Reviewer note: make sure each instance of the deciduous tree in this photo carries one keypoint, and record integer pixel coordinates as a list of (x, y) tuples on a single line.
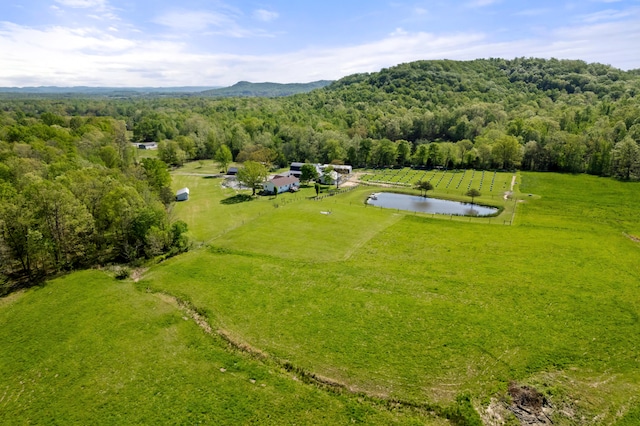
[(424, 186), (626, 159), (252, 174), (308, 172), (223, 157), (473, 193)]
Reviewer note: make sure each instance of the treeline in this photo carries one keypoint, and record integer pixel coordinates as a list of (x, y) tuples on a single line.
[(72, 195), (535, 114)]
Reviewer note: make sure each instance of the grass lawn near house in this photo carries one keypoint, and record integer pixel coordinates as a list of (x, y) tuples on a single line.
[(139, 154), (205, 167)]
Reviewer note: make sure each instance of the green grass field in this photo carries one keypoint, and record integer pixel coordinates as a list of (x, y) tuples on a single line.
[(87, 349), (394, 306), (452, 182)]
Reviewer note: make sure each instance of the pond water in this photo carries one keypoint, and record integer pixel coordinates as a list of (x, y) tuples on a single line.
[(415, 203)]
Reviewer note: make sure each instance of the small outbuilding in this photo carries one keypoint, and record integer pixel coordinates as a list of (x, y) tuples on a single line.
[(330, 178), (182, 194), (148, 145)]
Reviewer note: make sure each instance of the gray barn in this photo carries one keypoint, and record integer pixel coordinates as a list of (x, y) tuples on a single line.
[(182, 194)]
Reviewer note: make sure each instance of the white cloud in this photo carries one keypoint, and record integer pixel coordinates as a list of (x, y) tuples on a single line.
[(481, 3), (606, 15), (265, 15), (83, 4), (209, 23), (91, 56), (102, 10), (531, 12), (398, 32), (194, 21)]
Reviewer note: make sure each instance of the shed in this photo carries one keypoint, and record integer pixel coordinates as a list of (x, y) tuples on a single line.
[(182, 194), (296, 167)]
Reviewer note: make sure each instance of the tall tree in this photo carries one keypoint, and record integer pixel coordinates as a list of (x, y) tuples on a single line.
[(17, 226), (626, 159), (364, 151), (507, 152), (424, 186), (224, 157), (64, 221), (385, 153), (473, 193), (157, 173), (309, 172), (252, 174), (404, 152)]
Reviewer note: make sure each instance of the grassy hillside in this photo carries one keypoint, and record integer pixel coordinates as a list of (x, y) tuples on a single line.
[(87, 349), (426, 310), (417, 308)]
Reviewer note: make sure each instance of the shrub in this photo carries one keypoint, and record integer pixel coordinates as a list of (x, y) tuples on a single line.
[(122, 273)]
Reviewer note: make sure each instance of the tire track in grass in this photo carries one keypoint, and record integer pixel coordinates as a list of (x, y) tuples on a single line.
[(392, 220), (380, 400)]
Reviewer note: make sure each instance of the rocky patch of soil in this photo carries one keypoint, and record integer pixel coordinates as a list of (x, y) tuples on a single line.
[(529, 405)]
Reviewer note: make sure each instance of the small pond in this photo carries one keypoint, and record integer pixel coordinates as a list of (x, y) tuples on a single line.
[(416, 203)]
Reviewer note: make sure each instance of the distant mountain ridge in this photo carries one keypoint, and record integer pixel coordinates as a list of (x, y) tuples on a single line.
[(241, 89), (87, 90), (265, 90)]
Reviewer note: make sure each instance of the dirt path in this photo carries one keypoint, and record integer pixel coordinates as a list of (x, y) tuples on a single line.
[(510, 191)]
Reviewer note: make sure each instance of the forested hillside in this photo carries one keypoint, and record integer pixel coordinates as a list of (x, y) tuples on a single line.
[(245, 89), (547, 115), (72, 193)]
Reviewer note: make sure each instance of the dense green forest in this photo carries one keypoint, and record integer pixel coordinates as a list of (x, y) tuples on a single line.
[(73, 194)]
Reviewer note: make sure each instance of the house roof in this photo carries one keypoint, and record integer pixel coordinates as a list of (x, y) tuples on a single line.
[(284, 180)]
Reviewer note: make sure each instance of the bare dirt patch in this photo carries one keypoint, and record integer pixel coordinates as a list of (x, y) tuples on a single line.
[(509, 193), (529, 406), (7, 300), (138, 273), (633, 238)]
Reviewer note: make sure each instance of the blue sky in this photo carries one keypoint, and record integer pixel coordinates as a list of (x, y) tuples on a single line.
[(217, 43)]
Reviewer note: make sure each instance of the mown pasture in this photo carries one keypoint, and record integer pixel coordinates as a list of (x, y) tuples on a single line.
[(395, 305), (418, 308)]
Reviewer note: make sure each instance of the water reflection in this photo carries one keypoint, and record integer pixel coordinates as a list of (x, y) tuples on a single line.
[(417, 203)]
